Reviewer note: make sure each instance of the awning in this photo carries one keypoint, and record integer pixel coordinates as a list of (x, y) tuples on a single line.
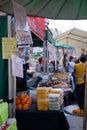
[(54, 9), (49, 37), (38, 54), (62, 45)]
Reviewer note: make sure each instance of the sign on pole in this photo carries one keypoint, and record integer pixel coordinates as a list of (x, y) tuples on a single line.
[(23, 33), (9, 46), (20, 15), (17, 66)]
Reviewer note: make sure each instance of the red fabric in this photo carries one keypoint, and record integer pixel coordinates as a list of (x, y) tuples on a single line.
[(37, 26), (5, 128)]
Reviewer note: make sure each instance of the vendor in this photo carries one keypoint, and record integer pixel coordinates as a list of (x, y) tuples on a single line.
[(21, 82), (51, 66), (39, 66)]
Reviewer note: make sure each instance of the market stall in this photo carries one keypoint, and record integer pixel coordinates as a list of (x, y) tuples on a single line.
[(58, 15), (46, 106), (41, 120), (41, 110)]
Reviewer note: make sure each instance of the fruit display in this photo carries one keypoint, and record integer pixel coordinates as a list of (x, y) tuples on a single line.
[(23, 101), (78, 111)]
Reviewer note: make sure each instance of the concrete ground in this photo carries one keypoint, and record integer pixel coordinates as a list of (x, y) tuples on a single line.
[(75, 122)]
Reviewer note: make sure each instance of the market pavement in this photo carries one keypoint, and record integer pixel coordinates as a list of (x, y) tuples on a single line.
[(75, 122)]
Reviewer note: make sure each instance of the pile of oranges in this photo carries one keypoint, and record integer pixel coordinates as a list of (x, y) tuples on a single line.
[(78, 111), (23, 101)]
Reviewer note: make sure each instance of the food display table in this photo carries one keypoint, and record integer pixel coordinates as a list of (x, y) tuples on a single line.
[(41, 120)]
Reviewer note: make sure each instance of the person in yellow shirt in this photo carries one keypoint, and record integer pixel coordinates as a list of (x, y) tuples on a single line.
[(80, 69)]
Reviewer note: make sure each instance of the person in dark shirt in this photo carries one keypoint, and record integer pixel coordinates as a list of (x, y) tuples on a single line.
[(65, 62), (21, 82)]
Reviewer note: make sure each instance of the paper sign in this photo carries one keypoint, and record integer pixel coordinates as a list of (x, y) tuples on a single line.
[(24, 37), (23, 33), (20, 15), (9, 46), (52, 51), (17, 66), (23, 51)]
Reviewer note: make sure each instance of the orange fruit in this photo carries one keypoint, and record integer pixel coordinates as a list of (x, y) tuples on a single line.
[(24, 101), (19, 106), (29, 101), (27, 97), (17, 100), (22, 96), (25, 106)]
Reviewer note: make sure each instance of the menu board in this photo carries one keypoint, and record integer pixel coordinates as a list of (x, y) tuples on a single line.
[(9, 46)]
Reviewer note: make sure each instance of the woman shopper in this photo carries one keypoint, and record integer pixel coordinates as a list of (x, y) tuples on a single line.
[(80, 70)]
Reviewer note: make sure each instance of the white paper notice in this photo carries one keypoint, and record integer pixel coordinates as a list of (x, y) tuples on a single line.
[(17, 66), (20, 15)]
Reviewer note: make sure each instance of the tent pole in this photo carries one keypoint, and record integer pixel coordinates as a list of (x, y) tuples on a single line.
[(85, 100), (63, 50), (10, 78), (14, 78), (45, 54)]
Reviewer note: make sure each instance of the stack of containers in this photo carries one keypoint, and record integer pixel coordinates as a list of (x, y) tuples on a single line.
[(42, 98), (54, 101), (59, 92)]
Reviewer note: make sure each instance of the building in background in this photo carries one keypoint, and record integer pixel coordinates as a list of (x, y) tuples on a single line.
[(76, 38)]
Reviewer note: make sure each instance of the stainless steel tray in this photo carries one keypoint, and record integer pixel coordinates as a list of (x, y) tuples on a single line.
[(69, 110)]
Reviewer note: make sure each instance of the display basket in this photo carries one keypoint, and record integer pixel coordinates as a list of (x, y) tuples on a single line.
[(3, 112)]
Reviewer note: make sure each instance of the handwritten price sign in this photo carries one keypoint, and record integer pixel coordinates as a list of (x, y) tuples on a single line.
[(9, 46)]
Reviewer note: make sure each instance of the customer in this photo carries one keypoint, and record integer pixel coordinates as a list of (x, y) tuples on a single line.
[(71, 64), (80, 69), (72, 78), (65, 62)]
